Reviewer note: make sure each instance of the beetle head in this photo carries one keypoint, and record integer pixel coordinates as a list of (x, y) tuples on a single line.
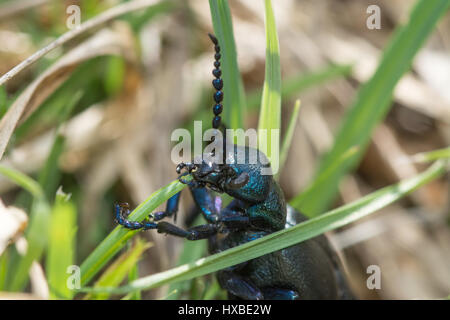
[(217, 176)]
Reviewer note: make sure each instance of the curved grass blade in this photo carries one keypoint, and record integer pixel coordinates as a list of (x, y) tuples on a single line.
[(38, 226), (37, 242), (432, 155), (42, 192), (109, 247), (119, 269), (331, 220), (133, 275), (192, 250), (299, 200), (234, 99), (23, 181), (373, 102), (289, 134), (50, 175), (270, 113), (93, 23)]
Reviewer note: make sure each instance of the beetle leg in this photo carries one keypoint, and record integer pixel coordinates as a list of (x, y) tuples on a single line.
[(239, 286), (134, 225), (234, 219), (123, 210), (234, 216), (280, 294), (195, 233), (171, 208), (208, 204)]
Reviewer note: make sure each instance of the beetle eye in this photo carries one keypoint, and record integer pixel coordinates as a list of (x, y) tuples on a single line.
[(194, 169)]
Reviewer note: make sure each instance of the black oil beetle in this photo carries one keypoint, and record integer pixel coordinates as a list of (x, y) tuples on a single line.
[(308, 270)]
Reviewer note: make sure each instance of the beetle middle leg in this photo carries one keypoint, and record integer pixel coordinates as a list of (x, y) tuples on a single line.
[(208, 204), (200, 232)]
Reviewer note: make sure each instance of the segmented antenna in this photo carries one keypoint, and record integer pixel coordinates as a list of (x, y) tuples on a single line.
[(218, 84)]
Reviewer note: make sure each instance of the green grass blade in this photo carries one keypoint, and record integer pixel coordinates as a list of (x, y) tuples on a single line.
[(41, 191), (296, 84), (133, 275), (50, 175), (4, 262), (289, 134), (109, 247), (374, 100), (331, 220), (23, 181), (87, 79), (432, 155), (213, 290), (299, 200), (192, 250), (234, 97), (61, 246), (119, 269), (115, 74), (270, 113), (38, 226)]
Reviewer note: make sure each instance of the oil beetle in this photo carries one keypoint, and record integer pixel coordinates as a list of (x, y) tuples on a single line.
[(308, 270)]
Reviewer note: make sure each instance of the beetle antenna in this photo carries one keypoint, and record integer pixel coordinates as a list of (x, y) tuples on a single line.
[(218, 95), (217, 84)]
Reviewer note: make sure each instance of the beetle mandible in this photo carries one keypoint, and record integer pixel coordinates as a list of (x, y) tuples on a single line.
[(308, 270)]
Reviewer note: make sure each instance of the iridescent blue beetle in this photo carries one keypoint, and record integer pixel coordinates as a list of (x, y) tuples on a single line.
[(309, 270)]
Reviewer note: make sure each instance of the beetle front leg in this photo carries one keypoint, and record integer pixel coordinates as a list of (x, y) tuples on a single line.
[(171, 208), (133, 225), (123, 210), (209, 205)]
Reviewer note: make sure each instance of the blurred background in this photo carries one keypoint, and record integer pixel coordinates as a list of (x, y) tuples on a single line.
[(99, 124)]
